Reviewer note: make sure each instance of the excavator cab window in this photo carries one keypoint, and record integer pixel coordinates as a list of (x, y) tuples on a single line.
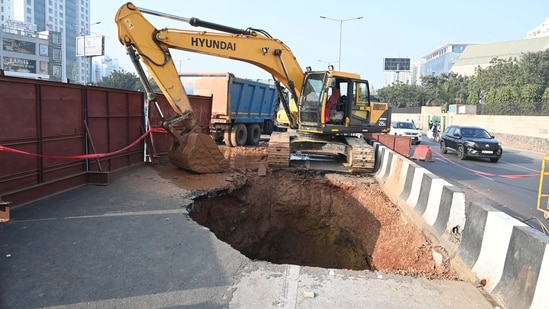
[(362, 96), (361, 107), (311, 101), (337, 99)]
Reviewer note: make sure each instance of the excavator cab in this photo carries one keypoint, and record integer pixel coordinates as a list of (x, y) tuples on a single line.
[(337, 102)]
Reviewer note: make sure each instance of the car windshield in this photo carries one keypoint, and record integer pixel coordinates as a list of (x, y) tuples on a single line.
[(478, 133), (405, 125)]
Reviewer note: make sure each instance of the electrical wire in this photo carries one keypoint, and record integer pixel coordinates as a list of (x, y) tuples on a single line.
[(544, 228)]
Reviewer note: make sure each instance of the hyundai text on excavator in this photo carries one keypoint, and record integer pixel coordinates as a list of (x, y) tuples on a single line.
[(334, 111)]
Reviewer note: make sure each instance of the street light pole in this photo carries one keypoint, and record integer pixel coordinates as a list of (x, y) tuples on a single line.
[(341, 21), (86, 57), (180, 71)]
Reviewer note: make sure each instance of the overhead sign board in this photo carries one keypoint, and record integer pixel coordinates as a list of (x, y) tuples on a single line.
[(10, 23), (396, 64), (92, 45)]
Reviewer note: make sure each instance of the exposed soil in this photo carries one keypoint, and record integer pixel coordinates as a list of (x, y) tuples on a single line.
[(312, 218)]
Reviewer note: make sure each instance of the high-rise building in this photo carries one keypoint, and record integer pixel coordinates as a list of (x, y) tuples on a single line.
[(69, 18), (103, 67)]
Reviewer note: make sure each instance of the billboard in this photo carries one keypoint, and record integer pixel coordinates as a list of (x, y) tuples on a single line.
[(90, 45), (17, 46), (396, 64)]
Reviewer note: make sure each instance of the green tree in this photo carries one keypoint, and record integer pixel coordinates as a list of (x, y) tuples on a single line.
[(529, 93), (402, 95), (534, 69), (545, 102), (529, 99), (499, 73), (448, 88), (504, 100), (432, 90), (154, 86), (126, 80), (122, 80), (507, 94)]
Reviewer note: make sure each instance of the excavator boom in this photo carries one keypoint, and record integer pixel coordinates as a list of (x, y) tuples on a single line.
[(253, 46)]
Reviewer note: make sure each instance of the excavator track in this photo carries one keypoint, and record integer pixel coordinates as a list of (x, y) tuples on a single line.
[(361, 156), (278, 151)]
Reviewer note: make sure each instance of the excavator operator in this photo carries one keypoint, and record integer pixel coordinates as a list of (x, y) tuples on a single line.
[(334, 97)]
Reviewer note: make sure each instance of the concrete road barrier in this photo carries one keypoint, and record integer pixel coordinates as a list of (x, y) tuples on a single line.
[(511, 257), (439, 205)]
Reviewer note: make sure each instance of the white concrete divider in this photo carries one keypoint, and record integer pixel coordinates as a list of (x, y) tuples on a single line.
[(512, 257), (440, 205)]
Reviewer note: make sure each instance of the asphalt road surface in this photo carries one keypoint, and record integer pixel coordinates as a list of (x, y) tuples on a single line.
[(511, 185), (131, 244)]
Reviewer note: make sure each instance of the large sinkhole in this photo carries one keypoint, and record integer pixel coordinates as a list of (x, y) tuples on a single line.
[(330, 221)]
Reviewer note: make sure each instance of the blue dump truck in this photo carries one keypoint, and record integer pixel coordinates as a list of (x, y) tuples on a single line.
[(242, 109)]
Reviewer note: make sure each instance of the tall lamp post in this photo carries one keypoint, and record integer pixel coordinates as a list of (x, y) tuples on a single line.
[(180, 71), (86, 57), (341, 21)]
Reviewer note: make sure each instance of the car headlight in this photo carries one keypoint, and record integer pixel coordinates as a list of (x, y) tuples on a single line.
[(469, 144)]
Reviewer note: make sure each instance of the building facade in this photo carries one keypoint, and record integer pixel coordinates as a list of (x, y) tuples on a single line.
[(540, 31), (28, 53), (464, 58), (481, 55), (441, 60), (68, 18)]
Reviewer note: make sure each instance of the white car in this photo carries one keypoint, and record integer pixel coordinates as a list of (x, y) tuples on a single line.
[(406, 128)]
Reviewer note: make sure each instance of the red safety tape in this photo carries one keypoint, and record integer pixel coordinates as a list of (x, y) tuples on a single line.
[(486, 173), (88, 156)]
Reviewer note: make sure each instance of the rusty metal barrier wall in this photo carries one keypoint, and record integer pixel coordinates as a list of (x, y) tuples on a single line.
[(59, 119), (400, 144), (115, 119), (202, 107)]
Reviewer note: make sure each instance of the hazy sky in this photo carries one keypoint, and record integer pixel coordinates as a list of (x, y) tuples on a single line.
[(398, 28)]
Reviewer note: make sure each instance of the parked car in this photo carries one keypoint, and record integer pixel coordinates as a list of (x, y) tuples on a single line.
[(406, 128), (470, 141)]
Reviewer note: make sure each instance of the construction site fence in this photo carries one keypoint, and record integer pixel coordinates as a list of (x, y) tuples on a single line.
[(57, 136)]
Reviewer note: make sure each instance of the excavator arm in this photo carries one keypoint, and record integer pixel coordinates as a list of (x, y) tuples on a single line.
[(191, 150), (250, 45)]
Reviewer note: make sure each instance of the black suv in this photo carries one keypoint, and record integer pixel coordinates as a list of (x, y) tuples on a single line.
[(470, 141)]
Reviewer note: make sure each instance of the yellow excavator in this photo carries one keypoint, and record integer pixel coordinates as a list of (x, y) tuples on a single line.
[(334, 111)]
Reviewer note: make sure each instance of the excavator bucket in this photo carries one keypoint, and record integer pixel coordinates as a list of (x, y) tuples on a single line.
[(198, 152)]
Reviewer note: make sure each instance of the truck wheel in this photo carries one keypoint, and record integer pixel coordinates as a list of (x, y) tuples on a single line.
[(254, 134), (239, 135), (227, 137), (268, 127)]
